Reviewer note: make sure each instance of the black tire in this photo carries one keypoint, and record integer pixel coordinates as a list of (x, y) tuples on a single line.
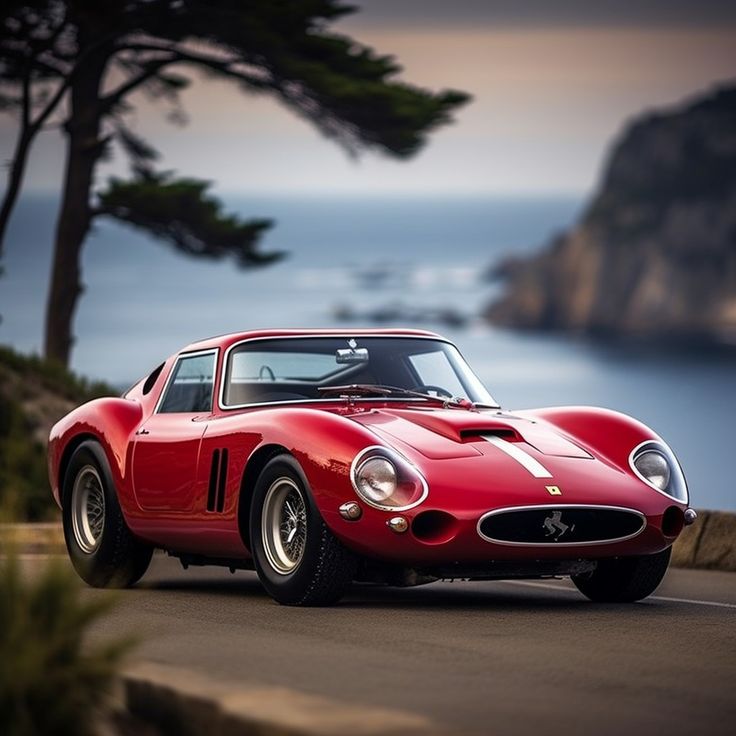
[(324, 567), (114, 558), (624, 579)]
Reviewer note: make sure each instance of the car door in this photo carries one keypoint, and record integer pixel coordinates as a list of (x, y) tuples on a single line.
[(167, 445)]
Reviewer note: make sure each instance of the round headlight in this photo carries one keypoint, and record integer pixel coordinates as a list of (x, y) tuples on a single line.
[(654, 467), (376, 479), (657, 466)]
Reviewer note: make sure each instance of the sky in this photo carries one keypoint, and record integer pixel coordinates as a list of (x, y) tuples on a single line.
[(553, 84)]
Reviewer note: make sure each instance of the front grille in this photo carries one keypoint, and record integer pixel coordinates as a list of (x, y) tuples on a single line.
[(555, 525)]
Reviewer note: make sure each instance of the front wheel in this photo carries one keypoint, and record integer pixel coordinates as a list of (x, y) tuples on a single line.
[(298, 560), (624, 579), (101, 547)]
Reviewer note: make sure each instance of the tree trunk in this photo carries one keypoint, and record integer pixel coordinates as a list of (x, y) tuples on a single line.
[(84, 148)]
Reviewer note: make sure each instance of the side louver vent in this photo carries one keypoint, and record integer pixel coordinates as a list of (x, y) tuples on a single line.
[(218, 480)]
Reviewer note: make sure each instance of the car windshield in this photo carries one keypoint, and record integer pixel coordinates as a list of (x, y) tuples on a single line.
[(310, 368)]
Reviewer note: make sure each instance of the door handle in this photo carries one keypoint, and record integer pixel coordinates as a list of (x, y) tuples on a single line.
[(143, 430)]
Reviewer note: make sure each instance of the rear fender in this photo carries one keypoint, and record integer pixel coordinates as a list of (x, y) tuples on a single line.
[(111, 422)]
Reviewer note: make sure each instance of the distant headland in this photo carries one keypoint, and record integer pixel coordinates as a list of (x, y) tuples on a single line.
[(654, 254)]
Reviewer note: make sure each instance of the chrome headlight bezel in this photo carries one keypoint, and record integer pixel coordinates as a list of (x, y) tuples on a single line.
[(676, 488), (406, 472)]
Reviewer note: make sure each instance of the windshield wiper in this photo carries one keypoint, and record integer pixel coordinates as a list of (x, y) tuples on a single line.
[(366, 389)]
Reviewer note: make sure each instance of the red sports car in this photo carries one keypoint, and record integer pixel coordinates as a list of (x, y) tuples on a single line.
[(320, 457)]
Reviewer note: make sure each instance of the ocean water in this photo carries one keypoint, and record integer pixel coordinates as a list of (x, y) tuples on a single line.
[(411, 257)]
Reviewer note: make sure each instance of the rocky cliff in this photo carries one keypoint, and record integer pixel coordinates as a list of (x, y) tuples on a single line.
[(654, 254)]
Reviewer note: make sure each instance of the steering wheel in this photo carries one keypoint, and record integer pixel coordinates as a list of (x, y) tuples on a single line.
[(426, 388), (266, 372)]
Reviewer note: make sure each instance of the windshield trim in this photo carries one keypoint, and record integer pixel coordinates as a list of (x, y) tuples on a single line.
[(346, 335)]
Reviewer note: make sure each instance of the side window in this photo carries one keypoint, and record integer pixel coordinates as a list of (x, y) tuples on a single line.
[(190, 387)]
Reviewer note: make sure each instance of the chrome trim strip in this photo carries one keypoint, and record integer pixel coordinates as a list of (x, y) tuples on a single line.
[(557, 506), (192, 354), (523, 458), (397, 458), (228, 407), (659, 445)]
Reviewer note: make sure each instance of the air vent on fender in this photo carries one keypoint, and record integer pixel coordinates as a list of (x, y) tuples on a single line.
[(218, 480)]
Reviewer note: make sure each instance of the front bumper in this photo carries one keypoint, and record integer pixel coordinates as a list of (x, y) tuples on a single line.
[(441, 537)]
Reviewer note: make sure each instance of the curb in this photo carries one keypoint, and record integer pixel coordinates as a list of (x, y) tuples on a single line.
[(34, 539), (184, 703), (709, 544)]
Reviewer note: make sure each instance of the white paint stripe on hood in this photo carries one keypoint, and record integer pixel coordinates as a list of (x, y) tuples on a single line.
[(523, 458)]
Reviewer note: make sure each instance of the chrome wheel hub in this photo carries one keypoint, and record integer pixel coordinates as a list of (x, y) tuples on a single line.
[(88, 509), (284, 525)]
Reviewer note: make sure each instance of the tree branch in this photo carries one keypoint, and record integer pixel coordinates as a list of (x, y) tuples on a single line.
[(225, 65), (26, 98), (30, 128), (110, 100)]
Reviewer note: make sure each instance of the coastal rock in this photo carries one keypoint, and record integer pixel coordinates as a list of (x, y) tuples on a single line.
[(654, 254)]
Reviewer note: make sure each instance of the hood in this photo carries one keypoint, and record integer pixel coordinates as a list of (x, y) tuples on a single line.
[(452, 433)]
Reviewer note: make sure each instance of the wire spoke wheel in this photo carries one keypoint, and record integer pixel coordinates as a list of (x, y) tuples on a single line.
[(298, 559), (284, 525), (88, 509)]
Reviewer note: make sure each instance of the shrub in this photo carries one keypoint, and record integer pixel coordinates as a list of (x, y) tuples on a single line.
[(23, 474), (33, 395), (51, 681)]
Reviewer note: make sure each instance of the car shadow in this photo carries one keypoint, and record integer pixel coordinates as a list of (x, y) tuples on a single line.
[(459, 595), (467, 596), (463, 596)]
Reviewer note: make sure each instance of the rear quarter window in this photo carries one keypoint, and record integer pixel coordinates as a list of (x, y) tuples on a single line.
[(151, 380)]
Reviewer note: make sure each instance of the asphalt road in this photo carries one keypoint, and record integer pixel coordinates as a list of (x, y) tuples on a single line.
[(475, 658)]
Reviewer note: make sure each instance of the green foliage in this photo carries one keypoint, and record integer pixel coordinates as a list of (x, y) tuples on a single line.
[(23, 476), (33, 395), (51, 681), (53, 377), (181, 212)]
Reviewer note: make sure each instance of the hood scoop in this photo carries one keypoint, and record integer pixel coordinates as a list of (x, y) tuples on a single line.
[(459, 426), (476, 435), (469, 428)]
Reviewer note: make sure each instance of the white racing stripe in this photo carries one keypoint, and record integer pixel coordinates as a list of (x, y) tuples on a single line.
[(564, 589), (523, 458)]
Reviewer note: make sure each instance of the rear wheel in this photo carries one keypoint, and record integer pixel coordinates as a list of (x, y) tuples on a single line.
[(298, 560), (624, 579), (101, 547)]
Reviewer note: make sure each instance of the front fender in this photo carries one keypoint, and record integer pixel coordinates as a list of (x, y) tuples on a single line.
[(323, 443), (606, 434)]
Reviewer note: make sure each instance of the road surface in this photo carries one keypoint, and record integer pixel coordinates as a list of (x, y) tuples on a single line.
[(475, 658)]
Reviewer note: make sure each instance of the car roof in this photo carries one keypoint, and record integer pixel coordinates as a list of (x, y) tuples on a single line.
[(225, 341)]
